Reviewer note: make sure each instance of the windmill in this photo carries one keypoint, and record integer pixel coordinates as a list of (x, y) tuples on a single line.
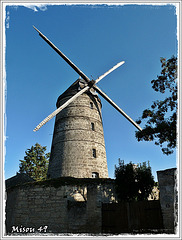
[(78, 147)]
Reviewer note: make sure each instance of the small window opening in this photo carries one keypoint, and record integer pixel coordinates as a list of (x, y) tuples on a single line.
[(91, 105), (95, 175), (94, 152), (92, 126)]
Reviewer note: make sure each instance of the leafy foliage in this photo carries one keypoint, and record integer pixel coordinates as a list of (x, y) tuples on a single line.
[(145, 181), (161, 117), (133, 182), (35, 163)]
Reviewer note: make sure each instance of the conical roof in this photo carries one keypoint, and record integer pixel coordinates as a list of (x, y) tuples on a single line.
[(73, 89)]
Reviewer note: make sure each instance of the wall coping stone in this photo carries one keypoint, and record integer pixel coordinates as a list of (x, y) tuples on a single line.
[(65, 181)]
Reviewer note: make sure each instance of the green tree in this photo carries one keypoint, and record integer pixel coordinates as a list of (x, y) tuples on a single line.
[(133, 182), (35, 163), (145, 181), (160, 118), (125, 181)]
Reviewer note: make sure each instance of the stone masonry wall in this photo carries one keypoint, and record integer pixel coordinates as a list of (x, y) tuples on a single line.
[(168, 197), (64, 205)]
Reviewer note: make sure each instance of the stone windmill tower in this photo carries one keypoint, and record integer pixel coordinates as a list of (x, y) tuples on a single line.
[(78, 148)]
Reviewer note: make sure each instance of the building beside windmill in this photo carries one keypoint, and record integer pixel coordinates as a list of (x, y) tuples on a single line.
[(78, 147)]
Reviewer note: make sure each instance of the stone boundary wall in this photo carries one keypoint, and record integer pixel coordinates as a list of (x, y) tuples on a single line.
[(168, 197), (63, 205)]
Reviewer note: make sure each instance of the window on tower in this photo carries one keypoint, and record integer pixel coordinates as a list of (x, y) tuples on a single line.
[(91, 105), (95, 175), (92, 126), (94, 152)]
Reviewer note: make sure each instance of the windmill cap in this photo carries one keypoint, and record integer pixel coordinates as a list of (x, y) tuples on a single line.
[(73, 89)]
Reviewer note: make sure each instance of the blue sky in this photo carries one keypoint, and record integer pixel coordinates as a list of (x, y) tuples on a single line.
[(95, 38)]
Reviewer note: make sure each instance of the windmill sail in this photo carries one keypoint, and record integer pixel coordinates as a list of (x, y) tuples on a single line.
[(63, 56), (75, 96), (60, 108), (89, 85), (116, 107), (112, 69)]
